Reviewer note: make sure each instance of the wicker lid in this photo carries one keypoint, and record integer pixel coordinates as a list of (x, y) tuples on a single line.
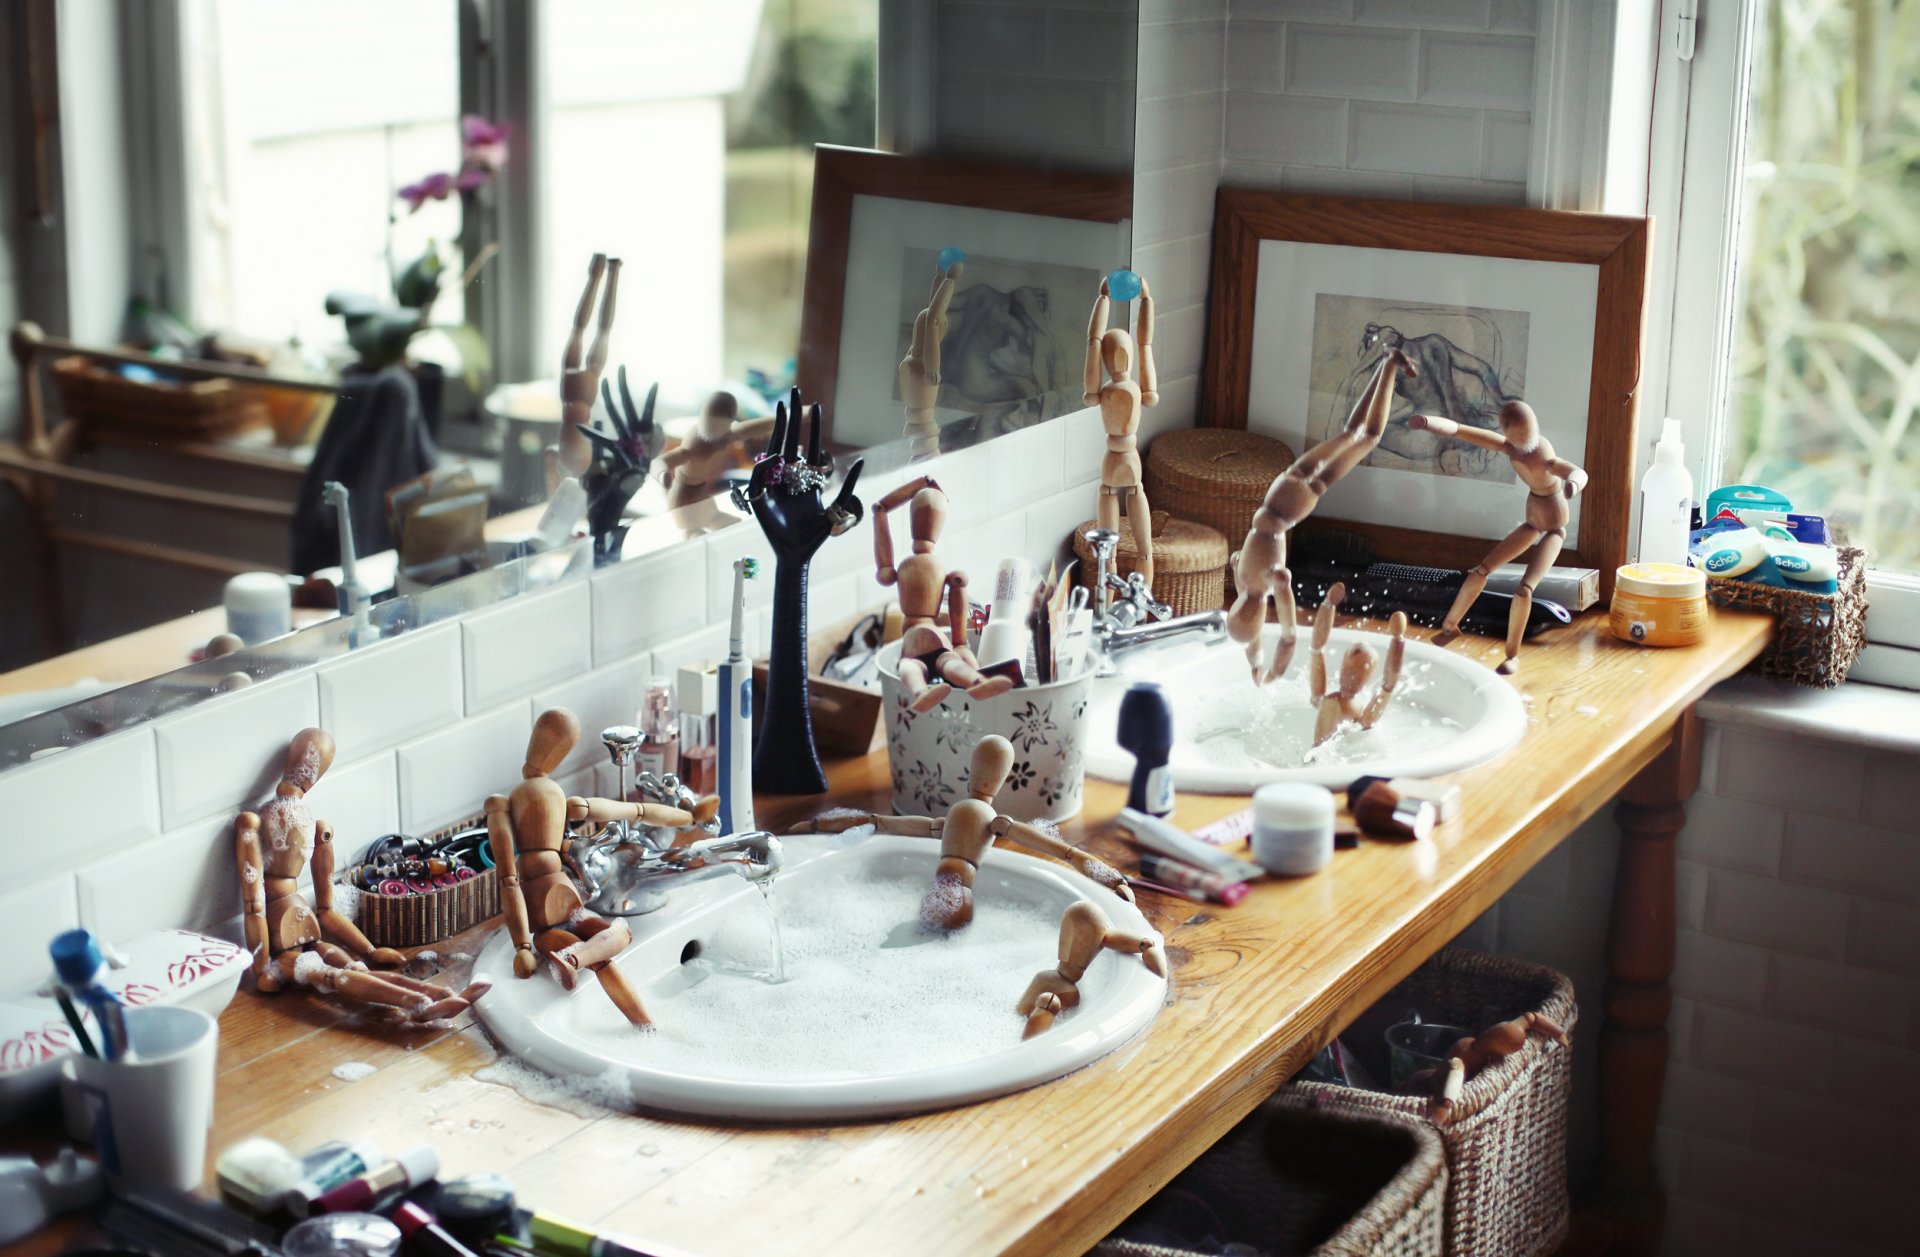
[(1179, 545), (1222, 461)]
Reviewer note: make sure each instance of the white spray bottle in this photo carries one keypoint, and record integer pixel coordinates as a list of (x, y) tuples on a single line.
[(735, 769), (1666, 501)]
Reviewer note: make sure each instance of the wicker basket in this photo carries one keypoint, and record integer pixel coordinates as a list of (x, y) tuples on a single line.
[(1217, 476), (1819, 635), (1294, 1178), (1507, 1144), (203, 410), (1189, 563), (416, 920)]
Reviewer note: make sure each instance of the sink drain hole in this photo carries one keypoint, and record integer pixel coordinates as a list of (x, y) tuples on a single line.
[(690, 951)]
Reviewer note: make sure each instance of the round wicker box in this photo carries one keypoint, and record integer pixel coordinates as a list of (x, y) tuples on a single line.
[(1189, 563)]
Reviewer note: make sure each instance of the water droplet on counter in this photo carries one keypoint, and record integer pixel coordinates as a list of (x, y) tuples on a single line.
[(648, 1150)]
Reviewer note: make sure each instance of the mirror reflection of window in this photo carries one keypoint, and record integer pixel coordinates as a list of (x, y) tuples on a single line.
[(303, 122), (681, 140)]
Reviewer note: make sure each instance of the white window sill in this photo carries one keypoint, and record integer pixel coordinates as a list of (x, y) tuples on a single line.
[(1855, 714)]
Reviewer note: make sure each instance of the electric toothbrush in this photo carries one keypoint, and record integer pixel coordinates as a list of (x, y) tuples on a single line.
[(736, 714), (354, 598)]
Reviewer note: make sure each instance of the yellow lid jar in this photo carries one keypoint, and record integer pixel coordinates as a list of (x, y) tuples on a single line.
[(1659, 604)]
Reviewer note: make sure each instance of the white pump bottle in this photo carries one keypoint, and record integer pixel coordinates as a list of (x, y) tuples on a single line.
[(1666, 501)]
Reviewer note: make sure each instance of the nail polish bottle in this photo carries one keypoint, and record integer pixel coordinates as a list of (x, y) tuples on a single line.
[(660, 747)]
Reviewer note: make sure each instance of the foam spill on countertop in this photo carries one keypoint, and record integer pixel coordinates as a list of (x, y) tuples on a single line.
[(583, 1095), (353, 1071), (850, 1007), (1271, 726)]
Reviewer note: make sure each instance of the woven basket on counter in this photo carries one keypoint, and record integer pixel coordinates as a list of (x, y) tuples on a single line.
[(1294, 1178), (1189, 563), (203, 410), (1506, 1145), (1216, 476), (1819, 636)]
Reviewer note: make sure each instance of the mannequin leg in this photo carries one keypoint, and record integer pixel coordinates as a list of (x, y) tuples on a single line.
[(1538, 564), (1510, 548)]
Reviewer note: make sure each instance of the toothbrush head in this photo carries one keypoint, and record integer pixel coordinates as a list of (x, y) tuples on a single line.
[(747, 568)]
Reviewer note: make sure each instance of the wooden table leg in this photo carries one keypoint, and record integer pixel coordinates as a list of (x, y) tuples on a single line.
[(1637, 999)]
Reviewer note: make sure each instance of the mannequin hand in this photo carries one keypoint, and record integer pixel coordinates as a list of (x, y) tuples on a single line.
[(790, 510)]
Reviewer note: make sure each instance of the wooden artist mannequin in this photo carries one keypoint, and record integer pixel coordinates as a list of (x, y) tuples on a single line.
[(932, 660), (920, 369), (708, 449), (968, 829), (1343, 706), (544, 912), (1260, 569), (1551, 483), (314, 944), (1084, 933), (1111, 353), (580, 376)]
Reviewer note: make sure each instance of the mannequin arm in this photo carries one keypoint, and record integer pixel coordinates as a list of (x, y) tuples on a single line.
[(1149, 376), (1447, 427), (1096, 326), (1090, 866)]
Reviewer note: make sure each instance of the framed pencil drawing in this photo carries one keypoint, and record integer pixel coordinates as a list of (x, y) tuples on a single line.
[(1037, 243), (1491, 304)]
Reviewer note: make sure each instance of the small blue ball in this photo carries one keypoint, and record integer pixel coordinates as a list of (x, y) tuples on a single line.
[(1123, 285), (950, 257)]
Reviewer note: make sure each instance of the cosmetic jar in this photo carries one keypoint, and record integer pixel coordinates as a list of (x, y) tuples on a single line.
[(1292, 828), (343, 1235), (259, 605), (1659, 604)]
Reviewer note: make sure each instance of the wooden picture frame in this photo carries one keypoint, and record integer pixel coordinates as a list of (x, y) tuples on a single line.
[(1241, 356), (842, 175)]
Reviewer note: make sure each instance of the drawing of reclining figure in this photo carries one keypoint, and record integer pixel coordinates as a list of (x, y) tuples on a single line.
[(1452, 382)]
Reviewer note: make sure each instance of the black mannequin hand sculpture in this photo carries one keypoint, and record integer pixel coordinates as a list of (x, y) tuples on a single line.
[(619, 466), (785, 493)]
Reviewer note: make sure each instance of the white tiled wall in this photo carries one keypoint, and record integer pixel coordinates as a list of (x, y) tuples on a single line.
[(1428, 99), (1789, 1123), (135, 831)]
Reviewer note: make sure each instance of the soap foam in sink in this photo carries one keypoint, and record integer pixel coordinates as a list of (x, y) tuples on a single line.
[(850, 1007), (1271, 726)]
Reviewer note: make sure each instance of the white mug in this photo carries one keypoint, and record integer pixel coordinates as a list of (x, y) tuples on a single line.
[(148, 1113)]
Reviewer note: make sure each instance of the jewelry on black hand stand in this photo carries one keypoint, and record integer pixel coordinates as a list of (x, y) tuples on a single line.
[(784, 493), (619, 466)]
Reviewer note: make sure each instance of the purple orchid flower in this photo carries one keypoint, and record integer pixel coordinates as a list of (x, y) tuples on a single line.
[(435, 187), (483, 143)]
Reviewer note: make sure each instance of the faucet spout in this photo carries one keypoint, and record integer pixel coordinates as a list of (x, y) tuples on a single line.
[(755, 855), (1113, 639)]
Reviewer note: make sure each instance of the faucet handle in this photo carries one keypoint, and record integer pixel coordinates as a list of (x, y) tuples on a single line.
[(622, 743), (1105, 541)]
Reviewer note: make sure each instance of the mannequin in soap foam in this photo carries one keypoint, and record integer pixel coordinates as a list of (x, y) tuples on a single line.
[(1111, 354), (1260, 568), (1343, 705), (1551, 484), (314, 944), (544, 912), (933, 659), (1084, 933), (965, 832)]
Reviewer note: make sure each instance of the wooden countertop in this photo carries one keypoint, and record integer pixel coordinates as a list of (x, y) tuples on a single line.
[(1256, 990)]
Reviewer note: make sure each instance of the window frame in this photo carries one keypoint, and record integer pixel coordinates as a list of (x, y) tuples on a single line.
[(1699, 132)]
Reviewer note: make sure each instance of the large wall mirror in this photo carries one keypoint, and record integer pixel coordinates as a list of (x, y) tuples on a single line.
[(259, 245)]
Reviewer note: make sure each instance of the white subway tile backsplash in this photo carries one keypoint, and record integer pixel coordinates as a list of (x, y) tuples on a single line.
[(1796, 774), (1495, 71), (1309, 130), (1890, 795), (1884, 936), (1704, 1103), (1514, 17), (43, 801), (644, 600), (1359, 62), (1414, 139), (447, 776), (1812, 1128), (1009, 38), (1747, 1045), (1087, 43), (1050, 524), (1468, 191), (1183, 60), (1275, 10), (1738, 1177), (361, 802), (183, 879), (1716, 970), (601, 698), (1690, 895), (1175, 204), (744, 542), (1861, 859), (1842, 998), (1806, 920), (1431, 14), (1733, 834), (1177, 133), (708, 644), (381, 696), (1508, 147), (532, 641), (227, 753), (34, 911), (1256, 56), (1323, 181)]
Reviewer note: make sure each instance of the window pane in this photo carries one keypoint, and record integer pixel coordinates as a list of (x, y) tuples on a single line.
[(681, 141), (1827, 357), (304, 121)]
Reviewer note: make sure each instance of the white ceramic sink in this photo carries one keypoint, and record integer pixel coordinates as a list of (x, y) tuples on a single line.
[(1448, 713), (858, 1030)]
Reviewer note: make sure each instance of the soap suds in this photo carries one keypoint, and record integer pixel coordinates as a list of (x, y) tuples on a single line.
[(1271, 726), (353, 1071), (582, 1096), (850, 1008)]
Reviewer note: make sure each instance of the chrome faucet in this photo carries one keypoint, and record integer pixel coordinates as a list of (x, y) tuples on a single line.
[(1125, 615), (625, 869)]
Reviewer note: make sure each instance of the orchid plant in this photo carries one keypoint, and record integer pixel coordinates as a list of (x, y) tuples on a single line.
[(381, 332)]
